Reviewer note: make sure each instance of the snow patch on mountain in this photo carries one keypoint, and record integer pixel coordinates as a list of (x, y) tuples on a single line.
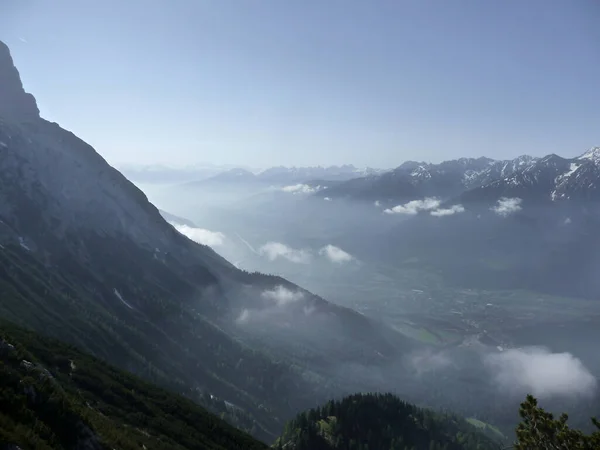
[(120, 297), (23, 244), (592, 154)]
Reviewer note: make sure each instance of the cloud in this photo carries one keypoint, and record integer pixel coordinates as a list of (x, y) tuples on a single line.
[(507, 206), (335, 254), (327, 199), (426, 361), (200, 235), (413, 207), (244, 316), (567, 221), (23, 40), (377, 203), (282, 296), (301, 189), (454, 209), (278, 299), (275, 250), (539, 372)]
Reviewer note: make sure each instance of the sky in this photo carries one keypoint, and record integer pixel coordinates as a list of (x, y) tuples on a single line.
[(312, 82)]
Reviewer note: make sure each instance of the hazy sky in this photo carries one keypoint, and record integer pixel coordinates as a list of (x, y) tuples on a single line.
[(303, 82)]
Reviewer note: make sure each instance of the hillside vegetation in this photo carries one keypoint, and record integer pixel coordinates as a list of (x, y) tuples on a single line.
[(381, 422), (52, 396)]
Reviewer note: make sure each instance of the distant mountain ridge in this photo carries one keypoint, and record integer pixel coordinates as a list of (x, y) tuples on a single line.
[(287, 175), (551, 178)]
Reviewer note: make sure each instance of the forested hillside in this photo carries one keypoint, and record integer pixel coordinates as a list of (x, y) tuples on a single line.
[(52, 396), (381, 422)]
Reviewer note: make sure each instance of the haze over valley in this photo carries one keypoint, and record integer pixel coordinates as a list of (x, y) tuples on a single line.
[(221, 228)]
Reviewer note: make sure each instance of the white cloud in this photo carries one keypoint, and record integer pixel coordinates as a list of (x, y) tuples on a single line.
[(275, 250), (301, 189), (377, 203), (278, 299), (539, 372), (327, 199), (507, 206), (413, 207), (200, 235), (244, 316), (335, 254), (567, 221), (427, 360), (454, 209), (282, 296)]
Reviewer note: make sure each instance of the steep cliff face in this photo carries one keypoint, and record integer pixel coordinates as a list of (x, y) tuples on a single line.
[(14, 101), (86, 257)]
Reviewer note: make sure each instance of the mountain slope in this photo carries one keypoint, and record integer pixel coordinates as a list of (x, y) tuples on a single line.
[(55, 397), (551, 178), (86, 258), (548, 179), (381, 422)]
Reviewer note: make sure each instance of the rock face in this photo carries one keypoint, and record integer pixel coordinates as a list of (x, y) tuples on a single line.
[(14, 101), (85, 257)]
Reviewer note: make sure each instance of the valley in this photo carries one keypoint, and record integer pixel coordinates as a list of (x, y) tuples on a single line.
[(223, 228)]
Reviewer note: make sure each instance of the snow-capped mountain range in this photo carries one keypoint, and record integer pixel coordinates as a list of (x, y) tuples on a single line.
[(550, 178)]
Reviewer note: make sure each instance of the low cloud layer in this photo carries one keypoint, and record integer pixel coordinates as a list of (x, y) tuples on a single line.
[(454, 209), (282, 296), (335, 254), (507, 206), (276, 250), (200, 235), (414, 206), (277, 300), (539, 372), (301, 189), (427, 361)]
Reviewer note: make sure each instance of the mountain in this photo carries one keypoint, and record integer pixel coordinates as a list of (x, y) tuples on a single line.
[(380, 422), (161, 174), (287, 175), (413, 179), (86, 258), (172, 218), (551, 178), (548, 179), (56, 397)]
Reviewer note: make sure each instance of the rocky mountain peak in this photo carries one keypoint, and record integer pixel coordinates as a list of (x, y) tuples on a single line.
[(15, 103), (593, 154)]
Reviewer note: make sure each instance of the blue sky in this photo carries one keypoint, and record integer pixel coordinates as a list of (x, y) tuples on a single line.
[(307, 82)]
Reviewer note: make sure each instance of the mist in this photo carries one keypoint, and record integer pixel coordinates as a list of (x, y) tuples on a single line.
[(540, 372), (450, 286)]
